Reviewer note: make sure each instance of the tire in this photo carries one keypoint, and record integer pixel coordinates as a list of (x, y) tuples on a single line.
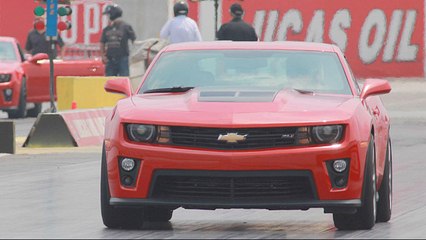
[(157, 214), (35, 111), (116, 217), (384, 205), (365, 217), (21, 112)]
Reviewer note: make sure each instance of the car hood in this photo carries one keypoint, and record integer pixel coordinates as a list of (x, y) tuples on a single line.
[(249, 108), (7, 67)]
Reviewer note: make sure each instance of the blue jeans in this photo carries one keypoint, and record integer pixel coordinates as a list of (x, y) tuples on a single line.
[(117, 67)]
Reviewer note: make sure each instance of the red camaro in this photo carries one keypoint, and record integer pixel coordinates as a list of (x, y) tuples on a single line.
[(25, 79), (278, 125)]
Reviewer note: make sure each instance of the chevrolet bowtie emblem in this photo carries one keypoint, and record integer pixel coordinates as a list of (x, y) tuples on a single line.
[(232, 137)]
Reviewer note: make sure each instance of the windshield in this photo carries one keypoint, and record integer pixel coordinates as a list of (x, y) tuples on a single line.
[(7, 52), (272, 69)]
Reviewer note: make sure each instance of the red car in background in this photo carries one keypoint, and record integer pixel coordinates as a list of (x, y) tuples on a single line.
[(272, 125), (25, 79)]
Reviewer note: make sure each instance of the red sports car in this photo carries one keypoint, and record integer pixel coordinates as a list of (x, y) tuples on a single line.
[(25, 79), (278, 125)]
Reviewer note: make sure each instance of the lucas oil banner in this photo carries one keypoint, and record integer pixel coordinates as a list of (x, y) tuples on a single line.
[(380, 38)]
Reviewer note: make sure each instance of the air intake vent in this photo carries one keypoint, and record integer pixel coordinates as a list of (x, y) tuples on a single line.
[(237, 96)]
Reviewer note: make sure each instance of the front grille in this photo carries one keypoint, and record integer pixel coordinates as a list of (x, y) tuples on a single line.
[(233, 186), (255, 137)]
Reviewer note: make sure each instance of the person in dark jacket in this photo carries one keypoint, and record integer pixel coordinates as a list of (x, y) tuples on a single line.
[(115, 43), (37, 43), (237, 29)]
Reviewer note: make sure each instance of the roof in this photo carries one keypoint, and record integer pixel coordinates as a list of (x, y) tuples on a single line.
[(278, 45), (7, 39)]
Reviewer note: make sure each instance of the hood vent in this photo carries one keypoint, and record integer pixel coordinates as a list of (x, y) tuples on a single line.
[(237, 96)]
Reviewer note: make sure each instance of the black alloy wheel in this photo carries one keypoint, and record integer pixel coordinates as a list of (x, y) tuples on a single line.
[(365, 217)]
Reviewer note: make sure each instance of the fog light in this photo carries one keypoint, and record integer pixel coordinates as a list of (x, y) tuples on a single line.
[(128, 164), (339, 165), (127, 180)]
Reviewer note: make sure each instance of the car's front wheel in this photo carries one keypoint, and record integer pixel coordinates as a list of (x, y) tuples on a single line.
[(35, 111), (384, 206), (365, 217), (116, 217)]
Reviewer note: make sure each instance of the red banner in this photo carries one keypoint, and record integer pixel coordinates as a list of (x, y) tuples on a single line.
[(86, 126), (380, 38)]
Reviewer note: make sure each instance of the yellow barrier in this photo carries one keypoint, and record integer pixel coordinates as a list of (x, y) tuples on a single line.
[(84, 93)]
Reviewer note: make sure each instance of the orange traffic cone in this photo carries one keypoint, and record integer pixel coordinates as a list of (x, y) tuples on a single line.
[(74, 105)]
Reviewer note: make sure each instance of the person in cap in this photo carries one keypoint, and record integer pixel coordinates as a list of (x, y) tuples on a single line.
[(115, 43), (180, 28), (237, 29)]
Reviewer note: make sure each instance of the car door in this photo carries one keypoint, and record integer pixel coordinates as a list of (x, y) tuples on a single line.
[(39, 74)]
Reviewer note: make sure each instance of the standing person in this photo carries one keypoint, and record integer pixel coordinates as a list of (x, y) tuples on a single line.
[(115, 43), (237, 29), (181, 28), (37, 42)]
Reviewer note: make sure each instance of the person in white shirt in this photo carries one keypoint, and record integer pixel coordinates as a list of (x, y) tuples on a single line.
[(181, 28)]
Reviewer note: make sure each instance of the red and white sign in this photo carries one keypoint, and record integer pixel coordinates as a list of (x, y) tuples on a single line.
[(86, 126), (87, 22), (380, 38)]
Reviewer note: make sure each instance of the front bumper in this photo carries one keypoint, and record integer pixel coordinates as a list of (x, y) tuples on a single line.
[(330, 206), (309, 160)]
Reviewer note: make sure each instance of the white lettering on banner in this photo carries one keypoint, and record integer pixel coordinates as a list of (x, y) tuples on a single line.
[(93, 128), (259, 17), (376, 33), (394, 28), (293, 19), (407, 52), (100, 123), (272, 25), (376, 20), (89, 127), (82, 128), (316, 28), (337, 34), (91, 21)]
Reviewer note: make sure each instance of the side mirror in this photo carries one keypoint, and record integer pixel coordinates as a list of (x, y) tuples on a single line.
[(374, 86), (119, 85), (39, 56)]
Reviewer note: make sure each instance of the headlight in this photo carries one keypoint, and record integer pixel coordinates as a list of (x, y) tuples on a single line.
[(141, 132), (328, 134), (5, 77)]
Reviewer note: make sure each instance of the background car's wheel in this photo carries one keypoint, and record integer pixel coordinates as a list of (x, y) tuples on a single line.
[(384, 205), (365, 217), (116, 217), (157, 214), (35, 111), (21, 112)]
